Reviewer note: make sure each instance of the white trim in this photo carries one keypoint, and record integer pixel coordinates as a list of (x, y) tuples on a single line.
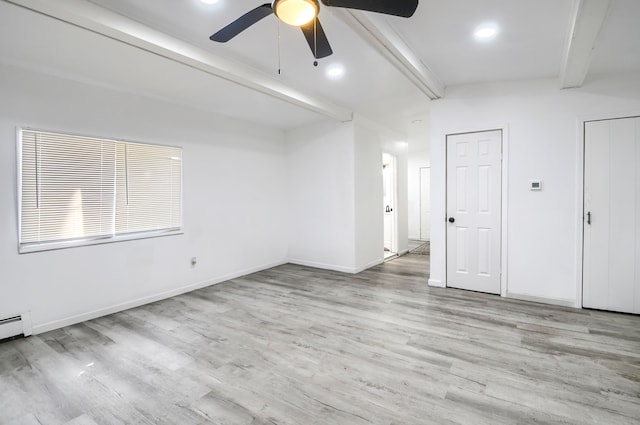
[(74, 133), (334, 267), (579, 242), (504, 248), (588, 19), (543, 300), (436, 283), (394, 201), (18, 182), (368, 266), (76, 243), (380, 36), (71, 320), (579, 224)]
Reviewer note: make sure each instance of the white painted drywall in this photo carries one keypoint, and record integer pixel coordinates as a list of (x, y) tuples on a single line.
[(335, 194), (320, 186), (235, 202), (369, 226), (371, 140), (542, 141)]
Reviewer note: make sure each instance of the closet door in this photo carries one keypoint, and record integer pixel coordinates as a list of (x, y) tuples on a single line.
[(611, 264)]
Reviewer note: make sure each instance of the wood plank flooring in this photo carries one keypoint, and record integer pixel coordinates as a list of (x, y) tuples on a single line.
[(294, 345)]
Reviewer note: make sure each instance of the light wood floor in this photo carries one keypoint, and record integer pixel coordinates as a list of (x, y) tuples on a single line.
[(295, 345)]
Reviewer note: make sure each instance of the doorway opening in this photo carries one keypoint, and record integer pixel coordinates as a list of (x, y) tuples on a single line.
[(389, 197), (425, 204)]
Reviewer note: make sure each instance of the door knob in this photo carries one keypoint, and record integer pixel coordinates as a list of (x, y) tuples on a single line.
[(451, 219)]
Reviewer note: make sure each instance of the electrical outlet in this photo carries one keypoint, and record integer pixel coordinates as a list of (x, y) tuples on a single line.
[(194, 261)]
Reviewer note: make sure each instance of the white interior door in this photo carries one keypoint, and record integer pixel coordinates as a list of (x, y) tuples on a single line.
[(425, 204), (474, 198), (611, 262), (388, 202)]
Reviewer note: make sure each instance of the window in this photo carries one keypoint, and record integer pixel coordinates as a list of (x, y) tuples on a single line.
[(77, 190)]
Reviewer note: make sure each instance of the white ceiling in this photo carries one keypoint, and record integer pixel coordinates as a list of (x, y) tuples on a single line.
[(618, 47), (531, 44), (368, 76)]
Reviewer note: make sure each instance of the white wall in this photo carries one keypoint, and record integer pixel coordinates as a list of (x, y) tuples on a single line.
[(335, 194), (234, 202), (321, 196), (371, 141), (543, 142)]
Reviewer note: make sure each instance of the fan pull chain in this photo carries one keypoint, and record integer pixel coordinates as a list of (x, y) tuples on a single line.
[(279, 61), (315, 42)]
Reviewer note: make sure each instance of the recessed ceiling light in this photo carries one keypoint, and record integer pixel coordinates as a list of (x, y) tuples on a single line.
[(209, 1), (335, 71), (485, 32)]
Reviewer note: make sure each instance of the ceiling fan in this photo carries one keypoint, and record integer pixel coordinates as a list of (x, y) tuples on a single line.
[(304, 14)]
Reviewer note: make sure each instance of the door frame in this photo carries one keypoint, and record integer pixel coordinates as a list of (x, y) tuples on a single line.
[(580, 170), (504, 202), (394, 214)]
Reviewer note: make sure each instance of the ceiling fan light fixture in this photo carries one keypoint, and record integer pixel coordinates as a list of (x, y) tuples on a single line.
[(295, 12)]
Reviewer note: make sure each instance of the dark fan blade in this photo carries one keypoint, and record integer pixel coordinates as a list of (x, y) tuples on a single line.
[(317, 39), (242, 23), (404, 8)]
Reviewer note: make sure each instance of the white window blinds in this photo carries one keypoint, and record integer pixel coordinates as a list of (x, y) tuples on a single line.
[(75, 190), (149, 188)]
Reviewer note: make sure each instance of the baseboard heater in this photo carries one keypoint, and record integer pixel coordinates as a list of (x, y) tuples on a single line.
[(15, 326)]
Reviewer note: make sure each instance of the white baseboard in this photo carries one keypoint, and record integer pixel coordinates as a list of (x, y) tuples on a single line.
[(543, 300), (437, 283), (368, 266), (344, 269), (404, 251), (72, 320)]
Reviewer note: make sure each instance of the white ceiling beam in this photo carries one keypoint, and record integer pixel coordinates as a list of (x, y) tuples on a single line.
[(379, 34), (97, 19), (588, 19)]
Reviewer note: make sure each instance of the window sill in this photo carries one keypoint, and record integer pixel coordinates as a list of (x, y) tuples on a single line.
[(50, 246)]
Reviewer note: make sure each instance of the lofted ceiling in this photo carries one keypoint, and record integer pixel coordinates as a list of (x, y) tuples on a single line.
[(392, 65)]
